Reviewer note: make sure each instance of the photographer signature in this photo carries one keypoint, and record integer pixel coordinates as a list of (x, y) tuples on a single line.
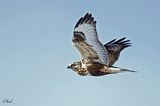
[(7, 100)]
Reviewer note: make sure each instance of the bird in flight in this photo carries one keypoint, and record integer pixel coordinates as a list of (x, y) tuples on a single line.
[(96, 59)]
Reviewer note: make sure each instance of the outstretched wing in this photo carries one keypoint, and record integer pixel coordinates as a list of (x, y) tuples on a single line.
[(114, 48), (85, 39)]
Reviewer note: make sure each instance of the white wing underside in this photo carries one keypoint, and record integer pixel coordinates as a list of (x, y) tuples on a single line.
[(85, 50), (92, 45)]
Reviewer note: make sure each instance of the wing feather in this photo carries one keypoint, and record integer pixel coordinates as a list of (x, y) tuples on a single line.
[(85, 38), (114, 48), (85, 49)]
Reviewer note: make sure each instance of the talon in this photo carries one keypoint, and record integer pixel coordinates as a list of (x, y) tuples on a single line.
[(82, 72)]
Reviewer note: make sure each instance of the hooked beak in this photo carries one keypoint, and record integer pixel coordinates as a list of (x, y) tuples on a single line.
[(68, 67)]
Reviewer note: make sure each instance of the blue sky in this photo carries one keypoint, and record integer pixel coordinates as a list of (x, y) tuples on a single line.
[(35, 45)]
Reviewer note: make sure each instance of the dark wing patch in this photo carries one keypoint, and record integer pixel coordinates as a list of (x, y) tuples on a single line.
[(78, 36), (114, 48)]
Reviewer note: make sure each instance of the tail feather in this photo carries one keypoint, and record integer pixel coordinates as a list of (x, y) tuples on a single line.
[(118, 70), (127, 70)]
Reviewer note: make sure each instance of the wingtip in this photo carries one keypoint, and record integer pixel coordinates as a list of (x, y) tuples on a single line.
[(87, 18), (88, 13)]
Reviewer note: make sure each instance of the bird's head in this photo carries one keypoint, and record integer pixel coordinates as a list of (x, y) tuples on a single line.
[(74, 66)]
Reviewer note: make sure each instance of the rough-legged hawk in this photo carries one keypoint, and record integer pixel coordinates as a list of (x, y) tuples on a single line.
[(96, 59)]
